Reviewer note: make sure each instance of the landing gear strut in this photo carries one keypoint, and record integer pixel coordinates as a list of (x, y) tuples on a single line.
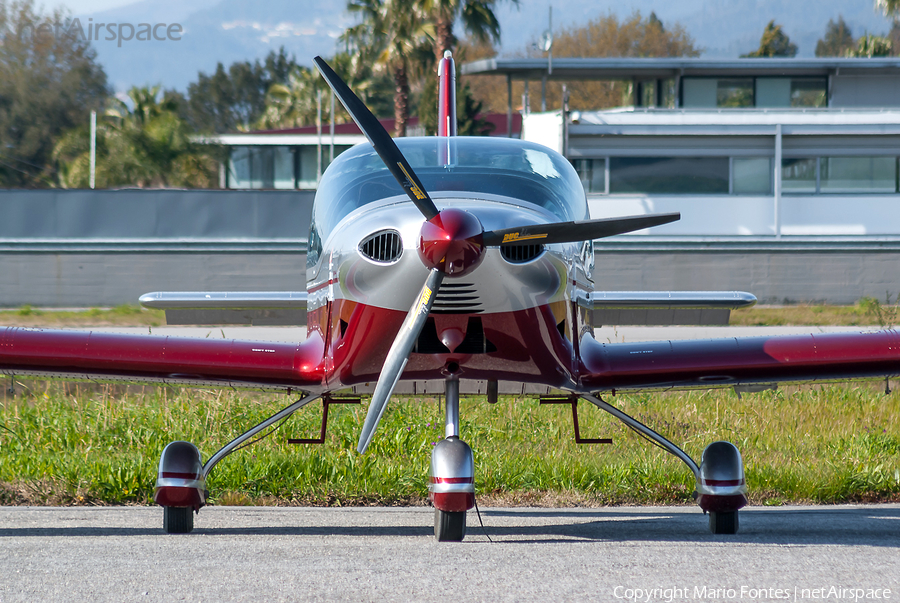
[(181, 482), (451, 486), (720, 483)]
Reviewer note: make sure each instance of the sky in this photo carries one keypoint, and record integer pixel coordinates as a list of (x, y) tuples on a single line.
[(80, 7)]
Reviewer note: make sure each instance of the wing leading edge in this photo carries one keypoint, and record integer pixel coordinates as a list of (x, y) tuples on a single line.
[(709, 363), (113, 357), (258, 308), (667, 307)]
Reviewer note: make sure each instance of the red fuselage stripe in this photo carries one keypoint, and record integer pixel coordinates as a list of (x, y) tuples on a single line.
[(321, 286), (723, 482), (451, 480)]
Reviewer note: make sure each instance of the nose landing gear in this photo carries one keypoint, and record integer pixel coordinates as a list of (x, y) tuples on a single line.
[(451, 485)]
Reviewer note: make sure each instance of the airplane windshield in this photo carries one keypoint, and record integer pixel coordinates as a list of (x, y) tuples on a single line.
[(495, 166)]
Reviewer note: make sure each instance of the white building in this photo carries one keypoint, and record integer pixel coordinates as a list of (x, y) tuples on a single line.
[(786, 171)]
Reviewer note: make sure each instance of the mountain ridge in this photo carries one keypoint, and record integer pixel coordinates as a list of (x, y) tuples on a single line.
[(235, 30)]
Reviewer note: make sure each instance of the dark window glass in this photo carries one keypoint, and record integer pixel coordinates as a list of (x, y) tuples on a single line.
[(858, 174), (808, 92), (736, 92), (592, 173), (675, 175), (752, 176), (798, 175)]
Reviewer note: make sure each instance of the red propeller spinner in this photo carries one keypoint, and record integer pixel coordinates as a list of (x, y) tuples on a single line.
[(452, 242)]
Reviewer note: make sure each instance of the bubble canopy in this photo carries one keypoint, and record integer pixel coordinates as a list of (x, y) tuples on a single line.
[(506, 167)]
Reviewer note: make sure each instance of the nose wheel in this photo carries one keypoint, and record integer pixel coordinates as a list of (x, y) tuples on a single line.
[(723, 522), (449, 526), (178, 520)]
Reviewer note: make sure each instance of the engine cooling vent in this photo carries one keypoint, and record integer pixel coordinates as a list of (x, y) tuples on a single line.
[(456, 298), (519, 254), (384, 247)]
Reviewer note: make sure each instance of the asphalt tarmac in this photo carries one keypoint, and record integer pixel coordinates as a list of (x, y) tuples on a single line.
[(836, 553)]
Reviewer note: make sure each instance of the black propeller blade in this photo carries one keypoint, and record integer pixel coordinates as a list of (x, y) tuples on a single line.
[(380, 139), (569, 232)]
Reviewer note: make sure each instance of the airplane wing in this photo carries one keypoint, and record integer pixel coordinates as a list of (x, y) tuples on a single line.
[(749, 361), (162, 360), (668, 307), (257, 308)]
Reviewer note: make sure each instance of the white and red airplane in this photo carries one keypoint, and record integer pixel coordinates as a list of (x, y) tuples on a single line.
[(447, 258)]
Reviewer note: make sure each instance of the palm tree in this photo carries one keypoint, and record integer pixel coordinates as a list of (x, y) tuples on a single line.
[(147, 146), (394, 35), (293, 103), (477, 16)]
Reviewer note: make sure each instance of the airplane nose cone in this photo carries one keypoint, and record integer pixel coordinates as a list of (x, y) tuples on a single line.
[(452, 242)]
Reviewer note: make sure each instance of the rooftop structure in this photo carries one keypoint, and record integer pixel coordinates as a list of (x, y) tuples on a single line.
[(744, 148), (295, 158)]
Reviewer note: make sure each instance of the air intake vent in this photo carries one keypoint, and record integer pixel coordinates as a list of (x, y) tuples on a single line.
[(456, 298), (519, 254), (384, 247)]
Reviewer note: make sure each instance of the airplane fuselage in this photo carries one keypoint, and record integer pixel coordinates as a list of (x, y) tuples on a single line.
[(517, 315)]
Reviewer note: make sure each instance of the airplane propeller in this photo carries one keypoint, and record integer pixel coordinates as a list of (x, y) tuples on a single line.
[(452, 242)]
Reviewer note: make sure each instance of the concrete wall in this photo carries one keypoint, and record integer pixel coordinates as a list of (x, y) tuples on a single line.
[(835, 276), (137, 214)]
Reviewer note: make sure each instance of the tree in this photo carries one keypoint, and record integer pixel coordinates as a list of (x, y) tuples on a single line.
[(477, 16), (235, 99), (774, 43), (605, 36), (148, 145), (837, 40), (293, 103), (890, 7), (869, 46), (49, 83), (396, 36)]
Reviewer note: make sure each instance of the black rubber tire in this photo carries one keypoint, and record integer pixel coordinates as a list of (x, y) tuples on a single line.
[(178, 520), (449, 526), (723, 523)]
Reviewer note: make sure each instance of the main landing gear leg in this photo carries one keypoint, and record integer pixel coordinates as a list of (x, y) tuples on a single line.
[(181, 483), (720, 483), (451, 486)]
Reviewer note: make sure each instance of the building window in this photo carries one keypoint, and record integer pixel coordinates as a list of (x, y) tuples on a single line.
[(282, 167), (840, 175), (261, 167), (809, 92), (799, 175), (668, 175), (736, 92), (309, 165), (708, 92), (763, 92), (275, 167), (592, 173), (751, 176)]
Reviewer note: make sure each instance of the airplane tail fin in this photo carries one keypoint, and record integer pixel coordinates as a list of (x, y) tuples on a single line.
[(447, 96), (446, 106)]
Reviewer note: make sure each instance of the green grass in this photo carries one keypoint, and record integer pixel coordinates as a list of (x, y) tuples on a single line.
[(866, 312), (124, 315), (84, 444)]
